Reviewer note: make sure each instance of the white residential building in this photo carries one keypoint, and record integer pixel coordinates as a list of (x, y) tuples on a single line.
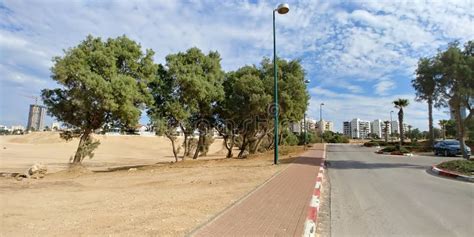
[(389, 129), (377, 126), (395, 128), (357, 128), (325, 126)]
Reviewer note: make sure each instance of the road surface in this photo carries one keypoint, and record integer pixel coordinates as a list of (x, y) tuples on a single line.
[(380, 195)]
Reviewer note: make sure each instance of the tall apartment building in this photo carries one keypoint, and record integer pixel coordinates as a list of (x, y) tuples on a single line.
[(388, 130), (346, 129), (325, 126), (36, 118), (357, 128), (395, 128), (377, 126)]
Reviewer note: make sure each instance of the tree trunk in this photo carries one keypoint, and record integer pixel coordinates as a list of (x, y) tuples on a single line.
[(400, 126), (386, 132), (173, 145), (79, 156), (199, 145), (243, 146), (430, 122), (185, 145), (259, 142), (460, 128), (230, 146)]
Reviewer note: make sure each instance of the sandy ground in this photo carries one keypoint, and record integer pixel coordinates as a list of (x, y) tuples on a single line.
[(155, 200), (18, 153)]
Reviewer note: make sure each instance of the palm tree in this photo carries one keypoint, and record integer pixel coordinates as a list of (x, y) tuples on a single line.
[(400, 104), (443, 124), (426, 84)]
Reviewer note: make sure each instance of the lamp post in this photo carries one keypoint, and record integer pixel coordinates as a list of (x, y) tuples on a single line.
[(321, 121), (281, 9), (391, 126)]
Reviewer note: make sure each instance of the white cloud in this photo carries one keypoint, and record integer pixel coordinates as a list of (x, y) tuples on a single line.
[(339, 46)]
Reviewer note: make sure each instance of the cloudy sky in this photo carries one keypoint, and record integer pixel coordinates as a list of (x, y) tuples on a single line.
[(359, 55)]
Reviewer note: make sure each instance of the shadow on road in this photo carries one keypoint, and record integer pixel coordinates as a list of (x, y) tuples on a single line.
[(350, 164)]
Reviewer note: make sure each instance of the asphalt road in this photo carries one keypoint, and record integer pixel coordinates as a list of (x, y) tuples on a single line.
[(381, 195)]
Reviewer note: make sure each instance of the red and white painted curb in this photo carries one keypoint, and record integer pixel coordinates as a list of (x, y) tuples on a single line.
[(446, 173), (312, 217)]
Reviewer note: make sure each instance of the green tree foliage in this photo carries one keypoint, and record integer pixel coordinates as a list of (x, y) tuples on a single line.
[(244, 108), (248, 101), (332, 137), (101, 82), (425, 85), (457, 84), (186, 93), (293, 98), (400, 104)]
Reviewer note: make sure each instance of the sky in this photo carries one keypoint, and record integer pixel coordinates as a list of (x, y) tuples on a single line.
[(359, 55)]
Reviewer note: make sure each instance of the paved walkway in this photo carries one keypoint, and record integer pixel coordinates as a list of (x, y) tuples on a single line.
[(277, 208)]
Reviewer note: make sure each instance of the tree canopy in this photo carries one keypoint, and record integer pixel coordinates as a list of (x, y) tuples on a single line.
[(101, 82)]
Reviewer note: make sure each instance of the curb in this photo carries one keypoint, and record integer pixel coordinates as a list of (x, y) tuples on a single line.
[(311, 222), (446, 173)]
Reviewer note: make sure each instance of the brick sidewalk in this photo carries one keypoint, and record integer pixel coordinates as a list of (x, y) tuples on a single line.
[(277, 208)]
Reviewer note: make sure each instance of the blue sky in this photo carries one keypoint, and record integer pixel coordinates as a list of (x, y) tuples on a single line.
[(359, 55)]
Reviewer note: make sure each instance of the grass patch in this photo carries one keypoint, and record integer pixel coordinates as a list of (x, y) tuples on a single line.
[(465, 167)]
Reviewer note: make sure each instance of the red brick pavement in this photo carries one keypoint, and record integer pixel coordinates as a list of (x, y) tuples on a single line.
[(277, 208)]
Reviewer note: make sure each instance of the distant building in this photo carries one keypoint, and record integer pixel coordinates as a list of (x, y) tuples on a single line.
[(376, 127), (357, 128), (388, 130), (346, 129), (298, 127), (36, 118), (395, 128), (324, 126)]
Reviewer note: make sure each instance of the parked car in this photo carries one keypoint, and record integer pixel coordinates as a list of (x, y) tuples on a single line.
[(450, 148)]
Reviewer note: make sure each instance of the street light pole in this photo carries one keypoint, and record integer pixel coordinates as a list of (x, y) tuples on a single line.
[(321, 121), (391, 126), (281, 9)]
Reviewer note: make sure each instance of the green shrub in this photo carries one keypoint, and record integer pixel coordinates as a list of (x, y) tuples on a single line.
[(460, 166), (389, 149), (290, 139), (371, 144)]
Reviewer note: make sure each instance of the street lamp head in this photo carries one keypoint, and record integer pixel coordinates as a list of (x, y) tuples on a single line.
[(307, 81), (283, 8), (322, 103)]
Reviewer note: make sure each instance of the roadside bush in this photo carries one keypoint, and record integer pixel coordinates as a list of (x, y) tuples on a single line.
[(389, 149), (371, 144), (312, 137), (331, 137), (290, 138), (402, 150), (465, 167)]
